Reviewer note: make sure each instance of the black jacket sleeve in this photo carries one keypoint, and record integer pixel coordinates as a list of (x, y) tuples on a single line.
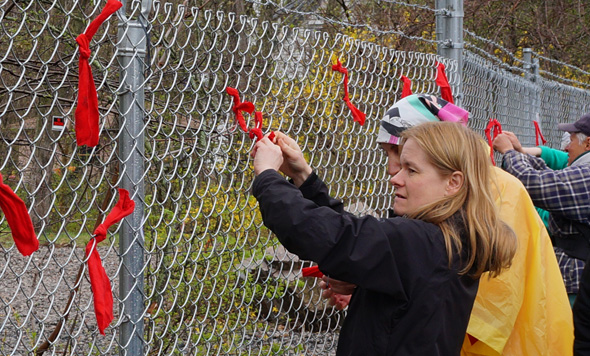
[(581, 312), (315, 190), (386, 256)]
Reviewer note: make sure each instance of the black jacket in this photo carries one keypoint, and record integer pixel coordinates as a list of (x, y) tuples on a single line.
[(581, 312), (408, 301)]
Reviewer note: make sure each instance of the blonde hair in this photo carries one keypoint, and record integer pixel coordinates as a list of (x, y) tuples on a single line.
[(452, 147)]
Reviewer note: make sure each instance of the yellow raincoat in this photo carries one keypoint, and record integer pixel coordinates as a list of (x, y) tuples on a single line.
[(525, 311)]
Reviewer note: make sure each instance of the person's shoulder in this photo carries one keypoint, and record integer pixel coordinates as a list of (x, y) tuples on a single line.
[(508, 187), (581, 169), (415, 235), (581, 165), (405, 221), (414, 227)]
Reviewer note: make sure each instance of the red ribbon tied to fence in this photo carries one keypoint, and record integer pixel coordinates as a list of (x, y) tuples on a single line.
[(313, 271), (240, 106), (407, 88), (257, 130), (101, 285), (494, 127), (19, 220), (443, 83), (357, 115), (538, 134), (86, 124), (248, 107)]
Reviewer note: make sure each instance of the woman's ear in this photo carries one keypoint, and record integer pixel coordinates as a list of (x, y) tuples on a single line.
[(454, 183)]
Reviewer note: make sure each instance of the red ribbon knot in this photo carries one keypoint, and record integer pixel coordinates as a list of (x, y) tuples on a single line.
[(84, 45), (101, 285), (86, 125), (494, 127), (538, 134), (357, 115)]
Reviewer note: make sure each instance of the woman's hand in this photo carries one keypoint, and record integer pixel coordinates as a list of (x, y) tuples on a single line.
[(294, 165), (266, 155), (337, 292)]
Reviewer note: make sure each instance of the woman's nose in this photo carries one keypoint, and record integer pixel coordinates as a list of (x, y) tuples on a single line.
[(395, 179), (392, 182)]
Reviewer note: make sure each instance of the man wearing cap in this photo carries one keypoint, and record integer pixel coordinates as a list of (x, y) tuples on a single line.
[(525, 310), (564, 193)]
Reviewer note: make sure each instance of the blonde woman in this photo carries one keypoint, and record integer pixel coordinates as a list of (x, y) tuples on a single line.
[(416, 274)]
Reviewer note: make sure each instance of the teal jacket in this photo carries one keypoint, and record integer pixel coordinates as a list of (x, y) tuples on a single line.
[(555, 159)]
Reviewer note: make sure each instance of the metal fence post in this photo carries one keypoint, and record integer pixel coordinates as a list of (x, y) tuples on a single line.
[(531, 66), (131, 54), (449, 33)]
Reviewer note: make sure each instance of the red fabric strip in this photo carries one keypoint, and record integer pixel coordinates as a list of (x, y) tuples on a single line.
[(357, 115), (407, 88), (443, 83), (538, 134), (240, 106), (313, 271), (257, 130), (18, 219), (248, 107), (101, 285), (494, 127), (86, 114)]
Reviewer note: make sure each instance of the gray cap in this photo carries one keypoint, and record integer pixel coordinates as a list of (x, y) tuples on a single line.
[(582, 125)]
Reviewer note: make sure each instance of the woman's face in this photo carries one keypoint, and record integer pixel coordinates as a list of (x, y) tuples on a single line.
[(418, 182)]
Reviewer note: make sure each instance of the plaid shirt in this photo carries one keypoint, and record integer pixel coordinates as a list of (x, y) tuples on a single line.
[(571, 270), (564, 193)]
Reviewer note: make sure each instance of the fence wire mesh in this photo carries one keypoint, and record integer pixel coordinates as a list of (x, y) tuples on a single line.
[(210, 278)]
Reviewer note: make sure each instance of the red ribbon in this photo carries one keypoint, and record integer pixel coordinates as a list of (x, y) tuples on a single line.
[(248, 107), (87, 109), (538, 133), (101, 285), (407, 88), (494, 127), (313, 271), (443, 83), (240, 106), (357, 115), (257, 130), (19, 220)]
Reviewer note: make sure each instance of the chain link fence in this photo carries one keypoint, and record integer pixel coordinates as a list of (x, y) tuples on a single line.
[(516, 98), (193, 270)]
